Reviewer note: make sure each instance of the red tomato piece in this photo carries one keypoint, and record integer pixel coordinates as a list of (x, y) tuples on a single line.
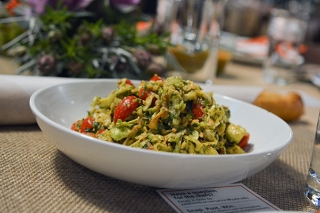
[(129, 82), (155, 78), (197, 110), (125, 108), (143, 94), (87, 124), (244, 141)]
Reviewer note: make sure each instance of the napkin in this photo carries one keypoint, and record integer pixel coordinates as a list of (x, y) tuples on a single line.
[(15, 92)]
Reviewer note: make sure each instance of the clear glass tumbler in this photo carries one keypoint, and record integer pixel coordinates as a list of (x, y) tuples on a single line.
[(194, 31), (312, 191), (286, 32)]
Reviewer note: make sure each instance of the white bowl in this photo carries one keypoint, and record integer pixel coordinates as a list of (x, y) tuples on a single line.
[(57, 107)]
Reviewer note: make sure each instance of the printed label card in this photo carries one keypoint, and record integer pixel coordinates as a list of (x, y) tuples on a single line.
[(233, 198)]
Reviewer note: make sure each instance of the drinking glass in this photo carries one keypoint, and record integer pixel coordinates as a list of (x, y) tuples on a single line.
[(194, 31), (286, 33), (312, 191)]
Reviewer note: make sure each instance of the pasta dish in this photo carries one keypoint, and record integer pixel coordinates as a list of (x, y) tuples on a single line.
[(170, 115)]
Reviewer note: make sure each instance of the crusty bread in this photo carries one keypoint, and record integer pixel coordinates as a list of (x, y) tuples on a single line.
[(287, 106)]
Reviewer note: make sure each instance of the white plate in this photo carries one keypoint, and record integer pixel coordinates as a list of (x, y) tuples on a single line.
[(57, 107)]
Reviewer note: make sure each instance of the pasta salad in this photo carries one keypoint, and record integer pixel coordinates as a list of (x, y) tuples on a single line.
[(170, 115)]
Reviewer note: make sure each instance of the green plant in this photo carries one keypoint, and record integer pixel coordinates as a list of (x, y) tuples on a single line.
[(64, 43)]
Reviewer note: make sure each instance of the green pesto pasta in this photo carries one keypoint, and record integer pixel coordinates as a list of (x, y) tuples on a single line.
[(171, 115)]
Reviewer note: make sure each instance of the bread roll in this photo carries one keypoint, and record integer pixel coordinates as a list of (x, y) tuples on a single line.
[(288, 106)]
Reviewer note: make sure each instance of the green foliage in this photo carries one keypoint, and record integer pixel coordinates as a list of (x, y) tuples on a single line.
[(75, 40), (59, 18)]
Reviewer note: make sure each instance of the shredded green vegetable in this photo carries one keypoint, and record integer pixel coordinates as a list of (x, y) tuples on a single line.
[(171, 115)]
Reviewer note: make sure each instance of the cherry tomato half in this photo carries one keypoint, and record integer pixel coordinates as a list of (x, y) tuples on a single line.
[(129, 82), (125, 108), (155, 78), (244, 141), (143, 94), (197, 110), (87, 124)]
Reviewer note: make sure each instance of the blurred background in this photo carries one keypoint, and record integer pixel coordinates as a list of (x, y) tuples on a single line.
[(250, 18), (243, 25)]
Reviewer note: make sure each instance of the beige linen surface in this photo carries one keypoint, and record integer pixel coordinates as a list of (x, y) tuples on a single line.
[(36, 177)]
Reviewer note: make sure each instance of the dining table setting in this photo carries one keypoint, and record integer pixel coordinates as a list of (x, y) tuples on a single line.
[(37, 177), (142, 93)]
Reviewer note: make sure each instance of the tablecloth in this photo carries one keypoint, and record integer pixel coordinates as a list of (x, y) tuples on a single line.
[(36, 177)]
